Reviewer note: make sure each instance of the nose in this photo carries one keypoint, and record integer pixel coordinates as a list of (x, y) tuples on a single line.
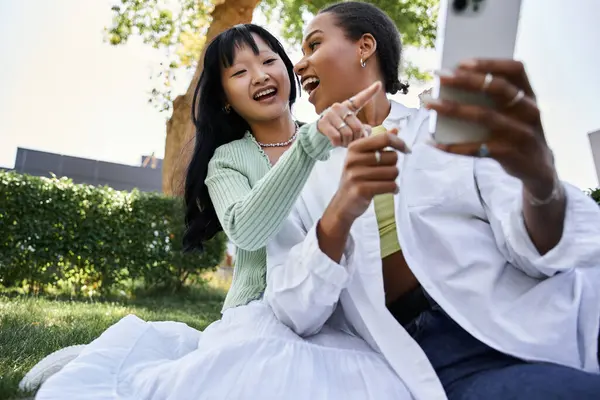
[(300, 66), (260, 79)]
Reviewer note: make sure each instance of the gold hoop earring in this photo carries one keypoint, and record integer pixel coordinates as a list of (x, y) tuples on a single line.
[(362, 63), (227, 108)]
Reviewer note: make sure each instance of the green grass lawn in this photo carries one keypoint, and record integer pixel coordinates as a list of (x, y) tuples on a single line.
[(33, 327)]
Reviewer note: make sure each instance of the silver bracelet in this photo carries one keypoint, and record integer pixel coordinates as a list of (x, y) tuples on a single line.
[(556, 194)]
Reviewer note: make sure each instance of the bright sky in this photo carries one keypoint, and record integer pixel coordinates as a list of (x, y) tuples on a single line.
[(63, 90)]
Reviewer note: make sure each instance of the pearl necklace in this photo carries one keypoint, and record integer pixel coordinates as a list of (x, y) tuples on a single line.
[(281, 144)]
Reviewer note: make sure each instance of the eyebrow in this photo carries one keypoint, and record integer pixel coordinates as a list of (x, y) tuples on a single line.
[(311, 34)]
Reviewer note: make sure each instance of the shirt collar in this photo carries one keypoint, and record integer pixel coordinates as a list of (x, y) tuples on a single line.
[(398, 112)]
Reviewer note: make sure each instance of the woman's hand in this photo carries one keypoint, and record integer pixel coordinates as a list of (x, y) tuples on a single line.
[(340, 123), (370, 169), (517, 139)]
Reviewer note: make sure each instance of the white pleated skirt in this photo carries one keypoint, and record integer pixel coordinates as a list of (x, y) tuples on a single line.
[(248, 354)]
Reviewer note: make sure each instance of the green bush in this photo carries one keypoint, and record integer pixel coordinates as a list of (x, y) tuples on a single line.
[(595, 193), (92, 238)]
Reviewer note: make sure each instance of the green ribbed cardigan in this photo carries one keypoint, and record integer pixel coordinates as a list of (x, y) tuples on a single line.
[(252, 200)]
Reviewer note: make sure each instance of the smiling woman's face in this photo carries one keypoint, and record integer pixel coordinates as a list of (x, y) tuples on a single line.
[(330, 69), (257, 85)]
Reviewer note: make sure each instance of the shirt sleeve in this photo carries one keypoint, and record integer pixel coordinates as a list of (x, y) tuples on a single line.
[(251, 215), (303, 284), (579, 246)]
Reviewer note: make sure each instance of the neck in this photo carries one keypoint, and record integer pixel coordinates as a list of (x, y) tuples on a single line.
[(376, 110), (274, 131)]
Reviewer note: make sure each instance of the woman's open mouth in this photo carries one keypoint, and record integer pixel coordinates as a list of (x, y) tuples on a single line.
[(310, 84), (265, 95)]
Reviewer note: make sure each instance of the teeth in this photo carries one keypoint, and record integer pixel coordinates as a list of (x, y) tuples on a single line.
[(309, 81), (264, 93)]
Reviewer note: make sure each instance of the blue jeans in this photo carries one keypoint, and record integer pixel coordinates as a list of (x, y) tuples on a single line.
[(471, 370)]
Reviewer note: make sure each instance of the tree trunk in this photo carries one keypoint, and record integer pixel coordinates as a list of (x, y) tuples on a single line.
[(180, 129)]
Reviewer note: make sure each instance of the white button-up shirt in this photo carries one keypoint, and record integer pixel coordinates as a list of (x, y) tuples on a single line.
[(460, 225)]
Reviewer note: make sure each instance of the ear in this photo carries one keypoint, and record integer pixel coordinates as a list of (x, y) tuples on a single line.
[(367, 46), (225, 101)]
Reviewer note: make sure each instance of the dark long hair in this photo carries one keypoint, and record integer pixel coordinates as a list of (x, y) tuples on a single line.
[(216, 127)]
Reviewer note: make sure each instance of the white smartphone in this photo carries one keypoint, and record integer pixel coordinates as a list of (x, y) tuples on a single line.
[(471, 29)]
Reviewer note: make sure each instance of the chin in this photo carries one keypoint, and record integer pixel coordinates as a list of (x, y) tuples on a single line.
[(272, 113), (319, 108), (321, 103)]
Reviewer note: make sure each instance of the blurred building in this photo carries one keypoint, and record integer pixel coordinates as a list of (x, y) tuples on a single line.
[(595, 145), (146, 177)]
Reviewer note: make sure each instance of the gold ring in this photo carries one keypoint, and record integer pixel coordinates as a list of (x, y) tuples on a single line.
[(487, 81), (518, 97)]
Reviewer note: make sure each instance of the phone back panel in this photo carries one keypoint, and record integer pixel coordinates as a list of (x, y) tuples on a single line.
[(471, 29)]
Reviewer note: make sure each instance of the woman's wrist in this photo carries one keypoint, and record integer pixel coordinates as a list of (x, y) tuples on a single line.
[(336, 219), (333, 230), (543, 189), (334, 222)]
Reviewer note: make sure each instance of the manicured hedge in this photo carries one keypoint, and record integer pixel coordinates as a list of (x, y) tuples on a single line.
[(92, 238)]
